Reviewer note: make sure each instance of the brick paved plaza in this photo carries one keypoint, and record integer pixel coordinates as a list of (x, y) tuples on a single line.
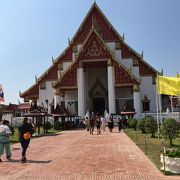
[(77, 155)]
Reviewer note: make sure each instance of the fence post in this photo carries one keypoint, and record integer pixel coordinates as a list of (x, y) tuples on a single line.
[(164, 163), (145, 141)]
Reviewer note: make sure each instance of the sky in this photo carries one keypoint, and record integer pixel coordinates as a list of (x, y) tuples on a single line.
[(33, 31)]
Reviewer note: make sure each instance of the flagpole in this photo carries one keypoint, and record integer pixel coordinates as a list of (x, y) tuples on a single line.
[(157, 104), (172, 109), (157, 113)]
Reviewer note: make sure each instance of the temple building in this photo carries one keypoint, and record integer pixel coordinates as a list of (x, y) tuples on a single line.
[(98, 71)]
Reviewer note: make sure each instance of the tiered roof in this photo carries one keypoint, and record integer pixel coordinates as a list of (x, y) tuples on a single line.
[(95, 23)]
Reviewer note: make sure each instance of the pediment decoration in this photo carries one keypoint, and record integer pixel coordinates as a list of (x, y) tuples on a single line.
[(98, 90), (94, 49)]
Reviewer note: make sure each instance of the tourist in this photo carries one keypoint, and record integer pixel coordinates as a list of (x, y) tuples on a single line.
[(91, 125), (103, 123), (119, 121), (87, 123), (24, 135), (110, 123), (98, 125), (5, 132)]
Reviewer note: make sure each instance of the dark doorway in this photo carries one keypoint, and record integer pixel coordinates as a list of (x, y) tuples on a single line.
[(98, 106)]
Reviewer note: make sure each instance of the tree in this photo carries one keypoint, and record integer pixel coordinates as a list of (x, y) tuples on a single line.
[(47, 126), (151, 126), (57, 125), (141, 125), (133, 123), (170, 129)]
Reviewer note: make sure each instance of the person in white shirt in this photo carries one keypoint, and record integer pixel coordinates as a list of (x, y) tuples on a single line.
[(5, 132), (103, 123)]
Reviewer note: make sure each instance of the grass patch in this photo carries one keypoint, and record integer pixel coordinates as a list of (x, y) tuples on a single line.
[(152, 147)]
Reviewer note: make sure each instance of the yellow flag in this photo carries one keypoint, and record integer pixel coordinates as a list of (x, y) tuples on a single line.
[(168, 85)]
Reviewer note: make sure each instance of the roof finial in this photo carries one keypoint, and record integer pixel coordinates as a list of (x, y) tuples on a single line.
[(69, 41), (53, 61), (36, 78), (142, 54), (94, 1), (123, 37)]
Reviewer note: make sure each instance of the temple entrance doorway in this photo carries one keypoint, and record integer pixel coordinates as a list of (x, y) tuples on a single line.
[(98, 106)]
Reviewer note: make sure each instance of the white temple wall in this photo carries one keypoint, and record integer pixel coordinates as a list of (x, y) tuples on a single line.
[(71, 96), (135, 71), (79, 47), (118, 55), (66, 65), (127, 63), (149, 89), (111, 45), (46, 94)]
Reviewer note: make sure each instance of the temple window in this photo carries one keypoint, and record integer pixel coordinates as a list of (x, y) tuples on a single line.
[(135, 62), (146, 104), (43, 86), (117, 45), (153, 80)]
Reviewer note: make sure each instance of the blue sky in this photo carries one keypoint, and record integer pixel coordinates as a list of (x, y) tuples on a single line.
[(33, 31)]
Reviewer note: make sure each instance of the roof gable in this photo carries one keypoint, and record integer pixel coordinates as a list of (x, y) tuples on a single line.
[(96, 18)]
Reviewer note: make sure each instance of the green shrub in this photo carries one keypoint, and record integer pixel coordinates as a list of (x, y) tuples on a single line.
[(170, 129), (57, 125), (133, 123), (47, 126), (151, 126), (173, 153), (141, 125)]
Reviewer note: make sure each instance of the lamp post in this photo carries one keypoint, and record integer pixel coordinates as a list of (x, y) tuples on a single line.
[(47, 103), (70, 103)]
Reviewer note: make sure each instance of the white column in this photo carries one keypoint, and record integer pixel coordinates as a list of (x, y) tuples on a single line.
[(111, 90), (56, 97), (81, 95), (136, 99)]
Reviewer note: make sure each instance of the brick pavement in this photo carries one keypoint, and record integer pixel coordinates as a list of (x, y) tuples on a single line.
[(77, 155)]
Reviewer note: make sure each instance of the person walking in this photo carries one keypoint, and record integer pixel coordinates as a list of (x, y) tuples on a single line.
[(119, 121), (5, 132), (110, 123), (103, 123), (91, 124), (87, 123), (24, 135), (98, 125)]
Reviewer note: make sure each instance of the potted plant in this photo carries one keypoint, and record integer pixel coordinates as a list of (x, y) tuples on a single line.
[(171, 160)]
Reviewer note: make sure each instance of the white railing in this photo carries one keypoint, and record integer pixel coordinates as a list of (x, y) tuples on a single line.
[(174, 115)]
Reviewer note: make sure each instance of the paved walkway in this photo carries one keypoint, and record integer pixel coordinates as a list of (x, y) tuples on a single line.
[(77, 155)]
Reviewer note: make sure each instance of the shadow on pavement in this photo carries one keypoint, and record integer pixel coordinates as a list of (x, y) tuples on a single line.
[(28, 161)]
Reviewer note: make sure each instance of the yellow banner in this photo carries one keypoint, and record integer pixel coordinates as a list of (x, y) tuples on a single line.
[(168, 85)]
